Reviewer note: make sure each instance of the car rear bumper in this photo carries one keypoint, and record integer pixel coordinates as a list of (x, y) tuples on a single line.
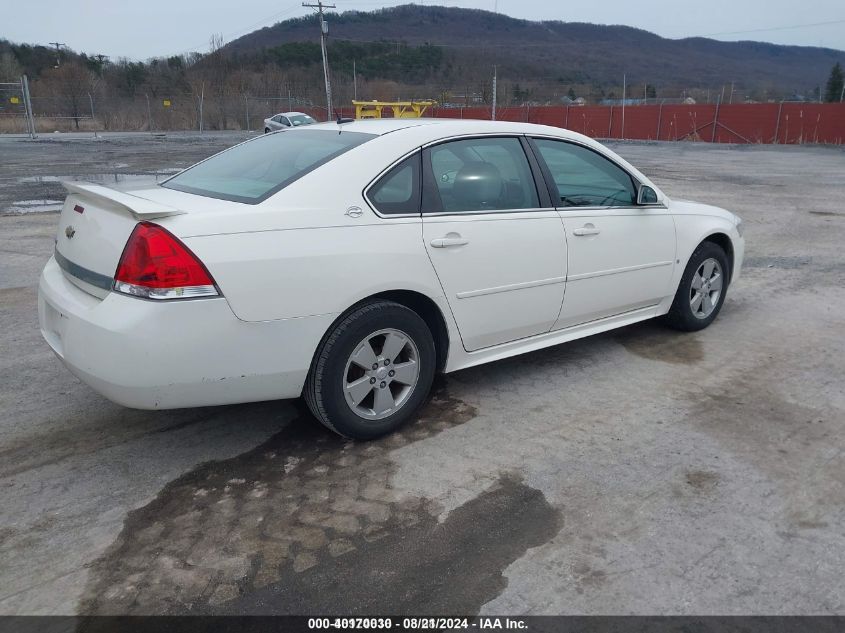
[(162, 355)]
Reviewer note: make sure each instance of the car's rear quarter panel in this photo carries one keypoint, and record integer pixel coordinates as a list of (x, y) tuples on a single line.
[(283, 274), (300, 254)]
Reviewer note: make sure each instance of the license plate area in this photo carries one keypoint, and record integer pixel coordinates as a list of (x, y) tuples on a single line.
[(55, 324)]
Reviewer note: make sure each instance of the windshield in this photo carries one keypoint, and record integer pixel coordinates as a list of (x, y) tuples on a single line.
[(301, 119), (253, 171)]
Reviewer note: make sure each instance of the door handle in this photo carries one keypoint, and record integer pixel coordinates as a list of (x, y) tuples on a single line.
[(587, 229), (452, 239)]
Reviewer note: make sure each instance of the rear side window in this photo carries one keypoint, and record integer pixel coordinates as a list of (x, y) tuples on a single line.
[(398, 191), (483, 174), (253, 171), (585, 178)]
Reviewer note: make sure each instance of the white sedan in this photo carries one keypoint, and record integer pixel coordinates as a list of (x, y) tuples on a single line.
[(285, 120), (349, 262)]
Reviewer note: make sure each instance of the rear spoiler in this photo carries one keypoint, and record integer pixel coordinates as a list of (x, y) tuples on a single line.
[(140, 208)]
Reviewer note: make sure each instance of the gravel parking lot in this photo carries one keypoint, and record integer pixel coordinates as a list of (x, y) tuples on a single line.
[(639, 471)]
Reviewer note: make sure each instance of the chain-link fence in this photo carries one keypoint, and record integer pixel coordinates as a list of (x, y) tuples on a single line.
[(150, 113), (647, 119), (16, 108)]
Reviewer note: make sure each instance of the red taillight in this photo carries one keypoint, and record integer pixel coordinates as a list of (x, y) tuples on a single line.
[(156, 265)]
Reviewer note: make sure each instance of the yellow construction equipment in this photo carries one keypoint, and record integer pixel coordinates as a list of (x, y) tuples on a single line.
[(400, 109)]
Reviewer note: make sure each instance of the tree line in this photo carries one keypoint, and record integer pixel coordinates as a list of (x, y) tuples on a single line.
[(230, 88)]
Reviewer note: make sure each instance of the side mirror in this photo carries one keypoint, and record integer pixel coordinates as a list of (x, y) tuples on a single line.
[(646, 195)]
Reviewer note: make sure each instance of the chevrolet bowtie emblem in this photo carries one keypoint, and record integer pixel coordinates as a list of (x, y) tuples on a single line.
[(70, 232)]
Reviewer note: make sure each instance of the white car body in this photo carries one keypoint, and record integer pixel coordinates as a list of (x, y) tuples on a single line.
[(289, 266), (286, 120)]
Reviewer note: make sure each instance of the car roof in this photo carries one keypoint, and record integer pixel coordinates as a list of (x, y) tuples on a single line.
[(437, 128)]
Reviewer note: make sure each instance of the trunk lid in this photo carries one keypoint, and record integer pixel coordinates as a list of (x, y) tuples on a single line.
[(94, 227)]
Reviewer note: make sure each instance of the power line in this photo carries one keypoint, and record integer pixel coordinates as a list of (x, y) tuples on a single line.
[(774, 28)]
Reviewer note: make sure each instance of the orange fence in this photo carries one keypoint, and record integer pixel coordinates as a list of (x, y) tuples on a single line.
[(792, 123)]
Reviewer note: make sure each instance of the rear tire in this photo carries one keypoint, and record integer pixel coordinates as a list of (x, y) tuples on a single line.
[(266, 130), (702, 290), (372, 371)]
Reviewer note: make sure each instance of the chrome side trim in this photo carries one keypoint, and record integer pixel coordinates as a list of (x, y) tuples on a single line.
[(488, 212), (577, 212), (613, 271), (520, 286), (88, 276)]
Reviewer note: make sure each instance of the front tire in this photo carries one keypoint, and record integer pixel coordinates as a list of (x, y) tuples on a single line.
[(266, 130), (372, 371), (702, 290)]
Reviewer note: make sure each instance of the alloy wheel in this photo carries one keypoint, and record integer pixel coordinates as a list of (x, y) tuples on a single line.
[(381, 374), (706, 288)]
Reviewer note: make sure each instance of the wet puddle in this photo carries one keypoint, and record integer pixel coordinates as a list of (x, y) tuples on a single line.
[(309, 522)]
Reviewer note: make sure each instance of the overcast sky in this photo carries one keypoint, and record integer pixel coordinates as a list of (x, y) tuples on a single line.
[(147, 28)]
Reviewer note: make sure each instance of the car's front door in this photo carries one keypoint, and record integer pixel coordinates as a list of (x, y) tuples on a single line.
[(621, 255), (495, 241)]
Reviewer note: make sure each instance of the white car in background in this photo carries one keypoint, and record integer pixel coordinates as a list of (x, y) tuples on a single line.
[(350, 262), (285, 120)]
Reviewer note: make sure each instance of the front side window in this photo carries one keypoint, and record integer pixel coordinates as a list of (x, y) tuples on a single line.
[(398, 191), (255, 170), (585, 178), (483, 174)]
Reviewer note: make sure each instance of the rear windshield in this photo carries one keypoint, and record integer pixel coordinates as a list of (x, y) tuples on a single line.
[(253, 171)]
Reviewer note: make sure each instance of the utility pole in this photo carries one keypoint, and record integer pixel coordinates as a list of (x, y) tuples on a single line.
[(731, 98), (58, 46), (495, 72), (354, 82), (324, 31)]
